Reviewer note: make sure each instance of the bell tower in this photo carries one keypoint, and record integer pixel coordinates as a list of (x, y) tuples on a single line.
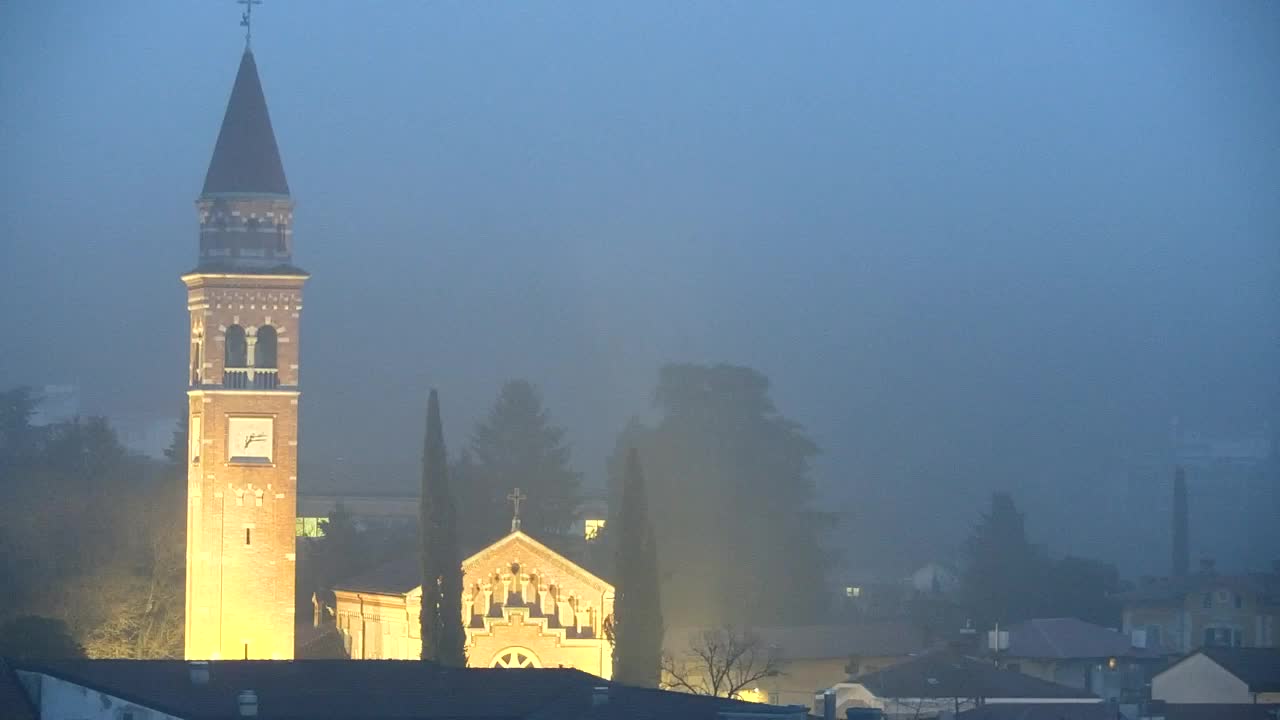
[(245, 301)]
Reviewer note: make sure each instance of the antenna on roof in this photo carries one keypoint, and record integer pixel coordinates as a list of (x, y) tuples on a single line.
[(246, 19)]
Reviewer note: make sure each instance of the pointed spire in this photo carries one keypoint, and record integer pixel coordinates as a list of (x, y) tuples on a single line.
[(246, 159)]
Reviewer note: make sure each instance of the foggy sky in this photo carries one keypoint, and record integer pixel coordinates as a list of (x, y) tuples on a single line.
[(974, 246)]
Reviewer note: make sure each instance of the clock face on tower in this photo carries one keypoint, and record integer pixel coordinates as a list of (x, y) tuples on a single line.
[(249, 439)]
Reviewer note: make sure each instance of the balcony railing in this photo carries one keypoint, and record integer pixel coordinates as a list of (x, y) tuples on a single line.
[(251, 378)]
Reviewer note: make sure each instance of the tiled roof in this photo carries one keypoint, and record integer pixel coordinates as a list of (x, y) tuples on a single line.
[(1259, 668), (946, 675), (1069, 638), (380, 690), (245, 158)]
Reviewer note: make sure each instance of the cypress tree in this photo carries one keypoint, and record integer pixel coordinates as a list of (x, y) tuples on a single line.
[(441, 618), (1181, 551), (637, 625)]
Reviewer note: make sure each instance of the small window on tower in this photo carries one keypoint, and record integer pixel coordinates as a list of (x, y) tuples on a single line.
[(247, 536)]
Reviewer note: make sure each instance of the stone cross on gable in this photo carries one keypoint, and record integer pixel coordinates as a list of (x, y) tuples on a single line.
[(515, 497)]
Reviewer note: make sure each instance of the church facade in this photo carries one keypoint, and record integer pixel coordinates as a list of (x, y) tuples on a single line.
[(244, 298), (523, 605)]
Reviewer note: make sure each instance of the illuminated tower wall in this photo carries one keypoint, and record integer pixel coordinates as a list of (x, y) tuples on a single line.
[(245, 301)]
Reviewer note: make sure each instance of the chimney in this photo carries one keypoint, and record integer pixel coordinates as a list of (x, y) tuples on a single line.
[(248, 703), (599, 695), (199, 670)]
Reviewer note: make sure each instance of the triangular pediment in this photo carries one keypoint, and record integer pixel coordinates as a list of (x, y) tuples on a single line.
[(531, 554)]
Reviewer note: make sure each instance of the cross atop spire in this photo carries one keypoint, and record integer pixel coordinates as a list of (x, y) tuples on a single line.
[(246, 19), (515, 497)]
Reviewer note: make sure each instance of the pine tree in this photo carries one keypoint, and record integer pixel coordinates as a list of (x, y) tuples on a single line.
[(441, 618), (637, 623), (517, 445)]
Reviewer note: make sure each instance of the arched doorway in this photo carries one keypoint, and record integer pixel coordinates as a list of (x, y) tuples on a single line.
[(515, 657)]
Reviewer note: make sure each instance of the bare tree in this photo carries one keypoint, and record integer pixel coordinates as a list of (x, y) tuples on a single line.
[(722, 662)]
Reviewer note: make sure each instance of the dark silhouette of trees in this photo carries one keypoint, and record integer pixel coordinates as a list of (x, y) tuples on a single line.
[(93, 535), (517, 445), (637, 623), (31, 637), (1181, 532), (1000, 566), (731, 477), (442, 635), (1006, 579)]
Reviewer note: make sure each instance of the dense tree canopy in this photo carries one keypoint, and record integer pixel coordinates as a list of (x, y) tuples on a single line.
[(731, 494), (517, 445), (93, 536)]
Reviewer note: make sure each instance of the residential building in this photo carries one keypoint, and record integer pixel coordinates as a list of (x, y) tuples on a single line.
[(1082, 655), (946, 682), (1205, 609), (1222, 675)]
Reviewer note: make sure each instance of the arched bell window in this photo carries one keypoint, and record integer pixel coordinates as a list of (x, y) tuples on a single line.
[(264, 350), (237, 349)]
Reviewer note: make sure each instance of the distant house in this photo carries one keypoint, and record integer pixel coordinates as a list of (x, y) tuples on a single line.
[(1222, 675), (1205, 609), (346, 689), (819, 656), (1082, 655), (945, 682)]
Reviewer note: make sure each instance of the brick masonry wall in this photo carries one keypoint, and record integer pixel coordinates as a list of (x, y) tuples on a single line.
[(240, 588)]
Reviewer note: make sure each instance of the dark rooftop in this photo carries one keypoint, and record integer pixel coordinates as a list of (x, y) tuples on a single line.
[(14, 703), (1043, 711), (397, 576), (1259, 668), (222, 266), (382, 690), (946, 675), (1069, 638), (245, 158), (1213, 711)]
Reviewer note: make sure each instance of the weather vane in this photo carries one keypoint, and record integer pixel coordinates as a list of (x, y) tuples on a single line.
[(246, 18)]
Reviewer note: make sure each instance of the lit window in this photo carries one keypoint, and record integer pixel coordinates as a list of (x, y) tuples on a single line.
[(592, 529), (852, 592)]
